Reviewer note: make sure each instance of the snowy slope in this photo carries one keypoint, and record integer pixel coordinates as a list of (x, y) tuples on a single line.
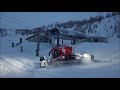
[(105, 28), (23, 64)]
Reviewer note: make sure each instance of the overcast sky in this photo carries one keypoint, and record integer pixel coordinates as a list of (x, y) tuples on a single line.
[(36, 19)]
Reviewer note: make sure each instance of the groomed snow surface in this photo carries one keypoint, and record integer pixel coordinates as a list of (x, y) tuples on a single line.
[(16, 64)]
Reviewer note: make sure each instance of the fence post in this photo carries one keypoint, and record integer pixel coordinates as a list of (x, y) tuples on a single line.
[(20, 40), (21, 48), (12, 44)]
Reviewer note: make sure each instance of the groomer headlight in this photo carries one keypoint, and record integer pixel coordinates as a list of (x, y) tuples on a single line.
[(86, 55)]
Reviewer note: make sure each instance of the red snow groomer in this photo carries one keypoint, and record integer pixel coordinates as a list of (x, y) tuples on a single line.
[(62, 54)]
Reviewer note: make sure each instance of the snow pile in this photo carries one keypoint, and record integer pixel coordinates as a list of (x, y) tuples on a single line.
[(8, 70), (4, 69), (21, 63)]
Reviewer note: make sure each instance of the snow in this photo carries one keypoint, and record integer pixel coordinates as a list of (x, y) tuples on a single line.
[(70, 31), (14, 63), (104, 27), (23, 63)]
